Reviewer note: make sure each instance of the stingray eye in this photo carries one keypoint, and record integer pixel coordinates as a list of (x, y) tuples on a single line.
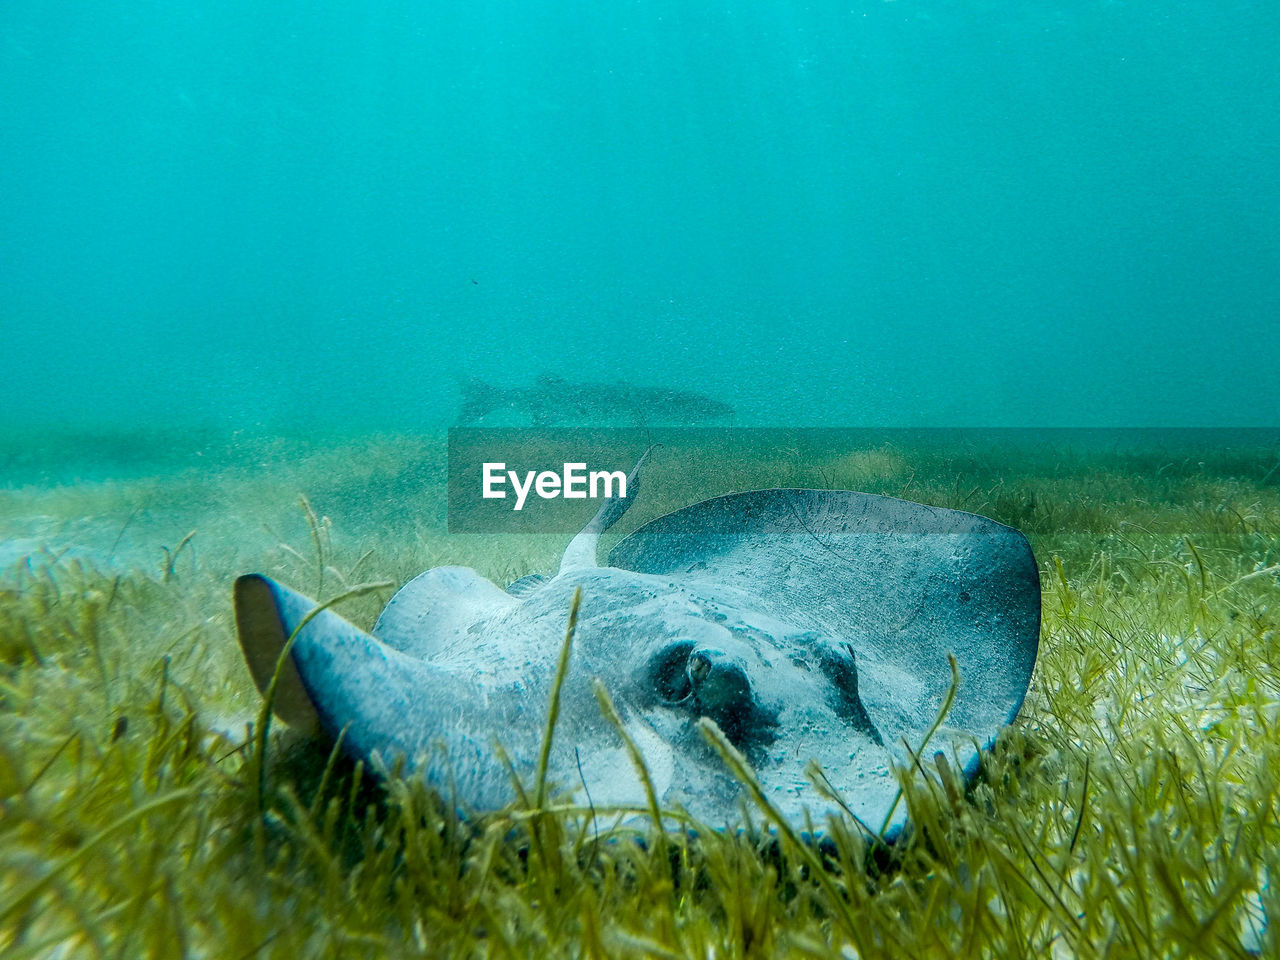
[(840, 666), (669, 671)]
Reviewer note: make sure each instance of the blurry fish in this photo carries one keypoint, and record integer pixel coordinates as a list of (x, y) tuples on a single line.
[(552, 401)]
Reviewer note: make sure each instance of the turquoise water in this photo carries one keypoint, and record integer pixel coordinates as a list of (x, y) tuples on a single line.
[(318, 215)]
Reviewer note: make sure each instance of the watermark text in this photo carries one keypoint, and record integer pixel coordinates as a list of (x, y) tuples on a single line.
[(573, 482)]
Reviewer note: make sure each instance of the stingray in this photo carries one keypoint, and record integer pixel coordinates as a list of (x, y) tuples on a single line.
[(809, 625)]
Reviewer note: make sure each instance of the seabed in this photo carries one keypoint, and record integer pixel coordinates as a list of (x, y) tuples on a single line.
[(1133, 809)]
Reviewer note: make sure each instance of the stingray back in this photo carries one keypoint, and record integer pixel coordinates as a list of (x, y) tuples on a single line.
[(904, 584)]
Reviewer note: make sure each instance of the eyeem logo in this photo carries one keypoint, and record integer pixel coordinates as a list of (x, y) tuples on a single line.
[(572, 483)]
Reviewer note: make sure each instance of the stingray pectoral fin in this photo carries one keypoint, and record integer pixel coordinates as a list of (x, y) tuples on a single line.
[(391, 705), (905, 585), (263, 632)]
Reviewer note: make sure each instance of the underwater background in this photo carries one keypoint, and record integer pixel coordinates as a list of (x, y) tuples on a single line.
[(302, 217), (266, 268)]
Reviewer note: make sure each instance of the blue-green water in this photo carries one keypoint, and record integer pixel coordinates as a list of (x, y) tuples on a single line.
[(314, 215)]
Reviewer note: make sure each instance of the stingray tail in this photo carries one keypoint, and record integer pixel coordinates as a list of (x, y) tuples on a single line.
[(613, 508), (581, 551)]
